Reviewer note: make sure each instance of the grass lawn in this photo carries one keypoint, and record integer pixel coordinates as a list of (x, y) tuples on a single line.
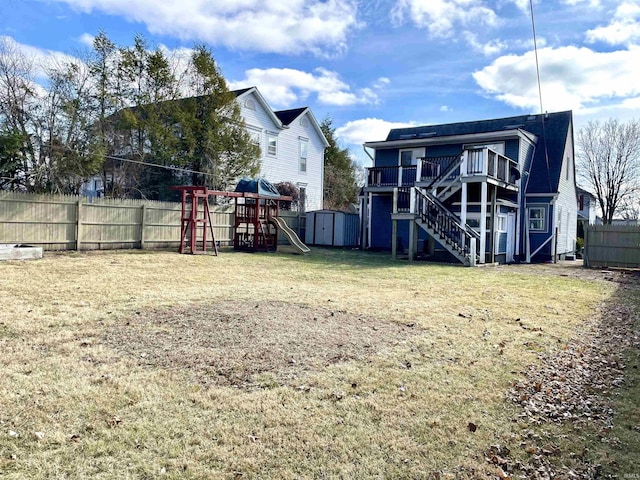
[(333, 365)]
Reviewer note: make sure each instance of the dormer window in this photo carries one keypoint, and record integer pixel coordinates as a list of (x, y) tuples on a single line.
[(250, 104)]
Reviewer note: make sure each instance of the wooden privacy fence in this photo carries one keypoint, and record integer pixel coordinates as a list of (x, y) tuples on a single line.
[(612, 246), (68, 222)]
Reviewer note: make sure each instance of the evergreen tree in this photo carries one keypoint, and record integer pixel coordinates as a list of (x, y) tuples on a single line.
[(213, 136), (341, 189)]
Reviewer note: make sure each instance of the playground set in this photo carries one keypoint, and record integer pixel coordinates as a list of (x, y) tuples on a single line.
[(256, 218)]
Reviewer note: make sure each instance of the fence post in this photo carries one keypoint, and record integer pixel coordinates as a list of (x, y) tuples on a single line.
[(78, 225), (143, 224)]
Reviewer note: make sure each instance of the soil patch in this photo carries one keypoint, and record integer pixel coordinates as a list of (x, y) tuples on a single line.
[(248, 344)]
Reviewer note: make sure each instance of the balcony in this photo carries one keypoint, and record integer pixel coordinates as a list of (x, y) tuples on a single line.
[(473, 165)]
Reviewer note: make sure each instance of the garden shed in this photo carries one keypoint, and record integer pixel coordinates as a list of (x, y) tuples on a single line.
[(332, 228)]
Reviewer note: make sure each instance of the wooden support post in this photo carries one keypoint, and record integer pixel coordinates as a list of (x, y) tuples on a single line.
[(483, 222), (394, 239), (363, 222), (527, 239), (472, 252), (494, 194), (395, 201), (413, 240), (143, 224), (463, 205), (412, 201), (79, 225), (370, 209)]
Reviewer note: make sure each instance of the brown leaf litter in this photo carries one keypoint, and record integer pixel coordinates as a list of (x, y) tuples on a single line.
[(572, 386)]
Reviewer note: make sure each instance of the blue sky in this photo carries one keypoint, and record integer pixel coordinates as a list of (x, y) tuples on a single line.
[(373, 65)]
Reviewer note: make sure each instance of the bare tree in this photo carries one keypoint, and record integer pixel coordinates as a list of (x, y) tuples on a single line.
[(17, 107), (608, 157)]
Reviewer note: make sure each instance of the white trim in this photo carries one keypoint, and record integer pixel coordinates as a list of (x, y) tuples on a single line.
[(466, 138), (269, 136), (265, 105), (544, 218), (483, 222), (416, 153), (489, 145), (303, 141)]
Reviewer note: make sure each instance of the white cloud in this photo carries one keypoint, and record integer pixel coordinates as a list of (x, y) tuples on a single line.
[(86, 39), (490, 48), (521, 4), (445, 108), (281, 26), (624, 28), (444, 18), (283, 87), (572, 78), (41, 60), (367, 130)]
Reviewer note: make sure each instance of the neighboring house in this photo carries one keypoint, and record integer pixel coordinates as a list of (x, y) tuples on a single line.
[(499, 190), (587, 203), (291, 142)]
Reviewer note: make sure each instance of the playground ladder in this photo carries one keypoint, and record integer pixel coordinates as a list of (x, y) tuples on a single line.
[(192, 222)]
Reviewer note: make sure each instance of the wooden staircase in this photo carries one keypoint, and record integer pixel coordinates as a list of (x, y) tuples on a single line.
[(445, 227)]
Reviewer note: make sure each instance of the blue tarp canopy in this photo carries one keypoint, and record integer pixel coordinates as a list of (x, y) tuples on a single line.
[(259, 186)]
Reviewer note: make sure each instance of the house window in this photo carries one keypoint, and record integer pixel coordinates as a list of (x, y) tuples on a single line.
[(537, 219), (409, 158), (250, 103), (255, 134), (304, 121), (272, 144), (304, 144), (501, 223)]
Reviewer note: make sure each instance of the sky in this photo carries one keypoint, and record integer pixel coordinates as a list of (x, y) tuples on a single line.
[(378, 64)]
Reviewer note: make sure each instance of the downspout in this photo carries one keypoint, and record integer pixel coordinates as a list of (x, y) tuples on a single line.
[(369, 155)]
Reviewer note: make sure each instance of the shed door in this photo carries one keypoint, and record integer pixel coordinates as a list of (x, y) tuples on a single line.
[(324, 229)]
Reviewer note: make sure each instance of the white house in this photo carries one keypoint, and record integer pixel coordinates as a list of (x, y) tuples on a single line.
[(291, 142), (586, 207)]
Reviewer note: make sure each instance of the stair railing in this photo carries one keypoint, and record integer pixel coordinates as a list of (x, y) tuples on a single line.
[(447, 172), (460, 237)]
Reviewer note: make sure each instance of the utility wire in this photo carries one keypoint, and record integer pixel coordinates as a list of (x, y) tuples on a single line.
[(542, 114), (166, 167)]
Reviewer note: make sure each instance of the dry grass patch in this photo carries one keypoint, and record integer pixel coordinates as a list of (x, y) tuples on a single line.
[(248, 344), (83, 403)]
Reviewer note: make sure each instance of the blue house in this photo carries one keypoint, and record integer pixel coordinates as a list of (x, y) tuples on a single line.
[(500, 190)]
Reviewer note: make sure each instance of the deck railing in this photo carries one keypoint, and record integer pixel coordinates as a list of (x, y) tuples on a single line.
[(474, 162)]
